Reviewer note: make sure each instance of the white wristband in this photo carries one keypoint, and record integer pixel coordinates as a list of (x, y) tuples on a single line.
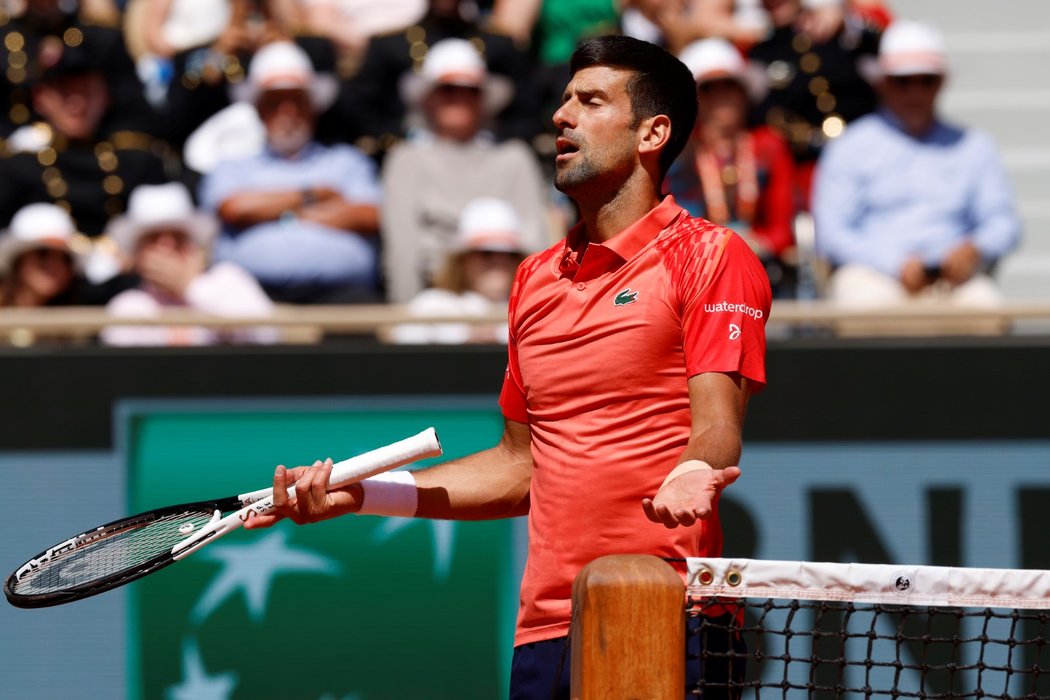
[(390, 493)]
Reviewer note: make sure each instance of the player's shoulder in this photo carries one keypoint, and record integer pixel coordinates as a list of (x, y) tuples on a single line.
[(693, 235), (698, 249), (539, 259)]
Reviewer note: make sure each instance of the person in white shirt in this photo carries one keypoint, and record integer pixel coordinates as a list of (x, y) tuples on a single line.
[(475, 279), (452, 159), (168, 241)]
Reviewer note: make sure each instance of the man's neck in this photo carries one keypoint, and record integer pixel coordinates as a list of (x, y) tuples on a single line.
[(605, 216)]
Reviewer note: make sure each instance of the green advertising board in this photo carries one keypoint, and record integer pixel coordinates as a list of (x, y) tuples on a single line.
[(360, 608)]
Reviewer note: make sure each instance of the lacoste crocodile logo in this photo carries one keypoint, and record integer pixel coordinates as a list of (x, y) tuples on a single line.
[(625, 297)]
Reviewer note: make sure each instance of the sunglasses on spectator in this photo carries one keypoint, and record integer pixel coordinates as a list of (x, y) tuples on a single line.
[(709, 86), (926, 81), (457, 91)]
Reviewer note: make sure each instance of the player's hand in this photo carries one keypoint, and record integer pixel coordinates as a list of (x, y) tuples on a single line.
[(688, 497), (312, 501)]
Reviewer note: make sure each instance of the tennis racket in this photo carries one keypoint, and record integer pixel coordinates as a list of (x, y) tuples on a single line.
[(119, 552)]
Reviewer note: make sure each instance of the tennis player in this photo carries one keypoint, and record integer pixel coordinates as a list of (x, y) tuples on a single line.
[(634, 347)]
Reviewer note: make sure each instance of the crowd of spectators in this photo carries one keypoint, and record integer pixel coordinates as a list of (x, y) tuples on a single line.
[(224, 155)]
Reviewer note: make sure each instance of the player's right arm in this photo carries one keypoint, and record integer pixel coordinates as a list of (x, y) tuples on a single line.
[(493, 483)]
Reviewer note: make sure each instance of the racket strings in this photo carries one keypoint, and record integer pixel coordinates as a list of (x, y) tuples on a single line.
[(121, 547)]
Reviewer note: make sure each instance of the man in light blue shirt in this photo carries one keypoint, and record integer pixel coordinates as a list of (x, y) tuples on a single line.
[(303, 218), (907, 206)]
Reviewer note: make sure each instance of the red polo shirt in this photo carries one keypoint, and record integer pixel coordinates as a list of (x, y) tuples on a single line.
[(599, 355)]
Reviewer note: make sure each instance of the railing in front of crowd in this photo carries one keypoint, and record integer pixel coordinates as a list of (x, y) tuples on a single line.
[(311, 324)]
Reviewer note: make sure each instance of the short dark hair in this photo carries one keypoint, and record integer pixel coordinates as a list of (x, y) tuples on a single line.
[(661, 84)]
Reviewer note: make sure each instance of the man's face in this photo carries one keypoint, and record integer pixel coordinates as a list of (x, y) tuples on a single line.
[(73, 105), (723, 104), (165, 241), (913, 99), (289, 119), (455, 111), (597, 137), (782, 12), (46, 272)]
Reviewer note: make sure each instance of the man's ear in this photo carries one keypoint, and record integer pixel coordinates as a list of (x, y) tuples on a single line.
[(653, 134)]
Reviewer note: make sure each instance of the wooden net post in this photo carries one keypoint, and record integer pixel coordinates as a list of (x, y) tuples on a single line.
[(628, 630)]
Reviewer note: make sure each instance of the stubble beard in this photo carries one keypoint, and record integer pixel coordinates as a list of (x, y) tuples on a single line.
[(576, 174)]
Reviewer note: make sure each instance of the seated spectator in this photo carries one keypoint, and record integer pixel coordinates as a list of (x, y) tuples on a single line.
[(380, 113), (156, 30), (301, 217), (168, 241), (552, 29), (475, 279), (733, 176), (204, 74), (36, 36), (69, 159), (37, 263), (429, 179), (350, 24), (907, 205), (816, 87), (745, 22)]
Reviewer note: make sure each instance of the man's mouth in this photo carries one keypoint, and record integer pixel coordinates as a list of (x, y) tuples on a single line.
[(564, 148)]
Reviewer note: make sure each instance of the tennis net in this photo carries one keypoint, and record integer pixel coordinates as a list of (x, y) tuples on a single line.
[(822, 630)]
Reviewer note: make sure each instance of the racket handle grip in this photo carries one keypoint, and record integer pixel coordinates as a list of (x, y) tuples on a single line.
[(411, 449), (392, 456)]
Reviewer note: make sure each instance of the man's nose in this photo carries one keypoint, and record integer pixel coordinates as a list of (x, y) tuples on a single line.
[(563, 117)]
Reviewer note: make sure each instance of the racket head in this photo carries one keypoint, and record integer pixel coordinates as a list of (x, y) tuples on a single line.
[(109, 555)]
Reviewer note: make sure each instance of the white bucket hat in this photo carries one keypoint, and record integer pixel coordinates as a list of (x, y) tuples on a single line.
[(37, 226), (153, 207), (717, 59), (908, 47), (283, 65), (489, 224), (456, 62)]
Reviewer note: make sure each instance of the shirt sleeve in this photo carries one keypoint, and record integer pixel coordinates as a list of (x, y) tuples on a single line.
[(724, 321), (512, 397), (839, 201), (995, 223), (356, 175)]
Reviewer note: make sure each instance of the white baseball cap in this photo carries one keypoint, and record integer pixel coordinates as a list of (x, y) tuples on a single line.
[(33, 227), (908, 47), (717, 59), (456, 62), (489, 224), (283, 65), (153, 207)]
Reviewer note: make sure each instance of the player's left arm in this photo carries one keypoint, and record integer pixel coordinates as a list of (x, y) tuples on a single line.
[(718, 402), (723, 336)]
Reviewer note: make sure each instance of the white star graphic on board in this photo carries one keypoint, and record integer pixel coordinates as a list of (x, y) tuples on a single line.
[(251, 568), (443, 531), (196, 683)]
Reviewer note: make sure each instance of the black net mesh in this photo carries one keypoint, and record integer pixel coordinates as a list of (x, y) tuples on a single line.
[(766, 648)]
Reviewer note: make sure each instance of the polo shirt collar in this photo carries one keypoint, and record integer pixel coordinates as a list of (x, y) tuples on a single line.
[(631, 240), (624, 245)]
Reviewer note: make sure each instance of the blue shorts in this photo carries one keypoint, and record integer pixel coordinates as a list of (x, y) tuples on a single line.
[(541, 670)]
